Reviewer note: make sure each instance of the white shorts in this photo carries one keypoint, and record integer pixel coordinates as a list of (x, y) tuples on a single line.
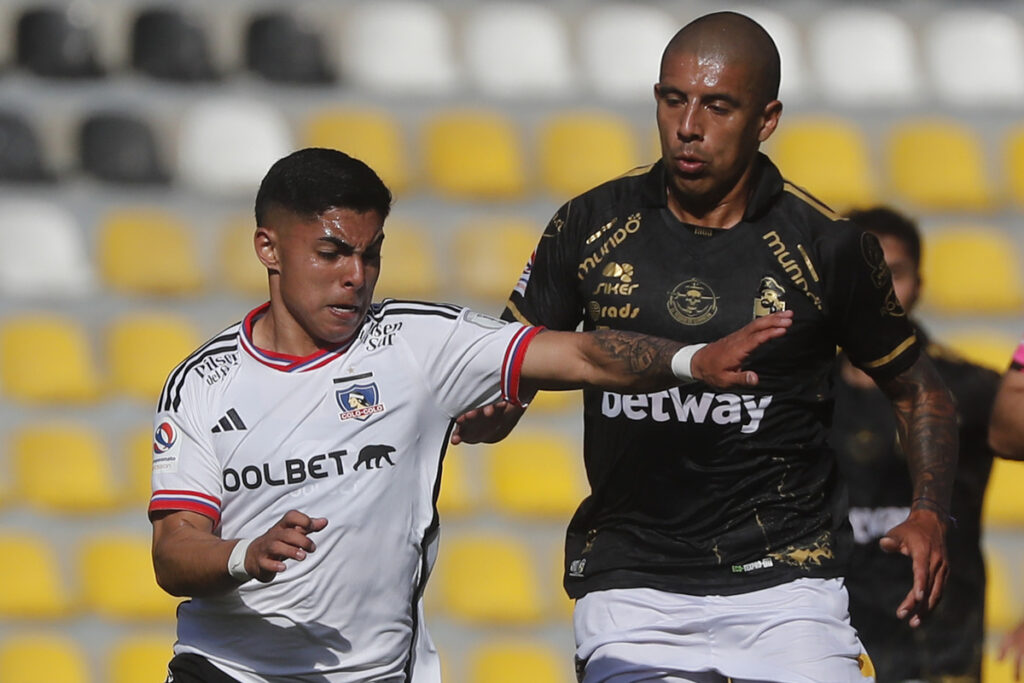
[(797, 632)]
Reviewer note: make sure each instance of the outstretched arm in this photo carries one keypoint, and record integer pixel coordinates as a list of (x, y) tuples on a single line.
[(926, 422), (1006, 431)]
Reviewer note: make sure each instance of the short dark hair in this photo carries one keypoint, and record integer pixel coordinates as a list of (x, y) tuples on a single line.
[(313, 180), (883, 221)]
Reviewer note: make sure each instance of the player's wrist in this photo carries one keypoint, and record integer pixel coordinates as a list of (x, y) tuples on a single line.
[(236, 561), (682, 362)]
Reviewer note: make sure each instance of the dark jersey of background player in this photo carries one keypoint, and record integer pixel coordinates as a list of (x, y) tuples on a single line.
[(693, 490)]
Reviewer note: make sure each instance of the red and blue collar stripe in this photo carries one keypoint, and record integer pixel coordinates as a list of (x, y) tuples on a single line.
[(282, 361)]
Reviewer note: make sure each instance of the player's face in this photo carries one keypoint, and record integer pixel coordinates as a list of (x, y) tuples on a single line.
[(711, 121), (328, 267), (906, 280)]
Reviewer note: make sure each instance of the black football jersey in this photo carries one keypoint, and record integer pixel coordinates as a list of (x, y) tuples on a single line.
[(697, 490), (949, 642)]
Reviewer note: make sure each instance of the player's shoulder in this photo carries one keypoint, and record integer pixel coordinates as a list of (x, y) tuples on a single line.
[(410, 311), (211, 362), (612, 196)]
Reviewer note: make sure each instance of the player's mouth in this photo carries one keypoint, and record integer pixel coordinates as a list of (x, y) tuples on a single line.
[(344, 310), (689, 164)]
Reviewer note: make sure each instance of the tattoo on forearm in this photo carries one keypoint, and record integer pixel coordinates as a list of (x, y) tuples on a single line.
[(643, 355), (926, 420)]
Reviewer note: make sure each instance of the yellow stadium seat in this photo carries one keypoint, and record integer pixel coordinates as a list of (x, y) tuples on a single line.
[(42, 658), (829, 158), (995, 670), (458, 495), (1002, 610), (240, 270), (139, 451), (474, 155), (515, 661), (140, 658), (64, 467), (409, 267), (581, 150), (972, 269), (370, 135), (989, 348), (556, 402), (939, 165), (143, 349), (118, 582), (536, 474), (47, 359), (32, 583), (1004, 503), (490, 256), (488, 579), (148, 251), (1015, 163)]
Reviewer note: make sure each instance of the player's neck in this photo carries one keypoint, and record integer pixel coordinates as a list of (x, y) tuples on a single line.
[(278, 332), (713, 212)]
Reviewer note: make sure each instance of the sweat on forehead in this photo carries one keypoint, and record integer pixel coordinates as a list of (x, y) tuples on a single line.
[(734, 39)]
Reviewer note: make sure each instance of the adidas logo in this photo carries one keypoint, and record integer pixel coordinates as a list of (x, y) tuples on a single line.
[(229, 423)]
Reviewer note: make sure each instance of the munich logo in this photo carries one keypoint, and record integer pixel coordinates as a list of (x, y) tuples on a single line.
[(359, 401), (164, 437), (692, 302), (769, 297)]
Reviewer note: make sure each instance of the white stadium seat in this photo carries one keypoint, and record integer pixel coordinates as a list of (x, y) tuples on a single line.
[(976, 58), (787, 40), (620, 49), (44, 251)]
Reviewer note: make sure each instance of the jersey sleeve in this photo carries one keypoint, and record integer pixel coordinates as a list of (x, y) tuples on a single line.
[(474, 360), (185, 473), (867, 318), (547, 291)]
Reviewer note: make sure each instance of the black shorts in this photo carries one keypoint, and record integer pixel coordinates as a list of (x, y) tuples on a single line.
[(190, 668)]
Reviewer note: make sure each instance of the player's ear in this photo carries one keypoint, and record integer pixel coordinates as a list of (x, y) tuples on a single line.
[(265, 242)]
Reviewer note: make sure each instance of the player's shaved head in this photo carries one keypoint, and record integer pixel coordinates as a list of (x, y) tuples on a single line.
[(730, 38)]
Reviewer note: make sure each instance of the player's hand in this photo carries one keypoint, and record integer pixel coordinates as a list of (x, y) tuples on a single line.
[(921, 538), (720, 363), (489, 424), (288, 539), (1013, 644)]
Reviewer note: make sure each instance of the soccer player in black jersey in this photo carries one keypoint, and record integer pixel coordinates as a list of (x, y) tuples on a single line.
[(716, 533), (949, 643)]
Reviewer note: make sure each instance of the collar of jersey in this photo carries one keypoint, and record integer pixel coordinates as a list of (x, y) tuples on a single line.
[(282, 361)]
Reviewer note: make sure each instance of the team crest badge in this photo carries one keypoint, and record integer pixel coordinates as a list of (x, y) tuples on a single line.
[(769, 297), (359, 401), (692, 302)]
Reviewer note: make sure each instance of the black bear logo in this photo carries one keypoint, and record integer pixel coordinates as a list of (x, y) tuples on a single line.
[(372, 455)]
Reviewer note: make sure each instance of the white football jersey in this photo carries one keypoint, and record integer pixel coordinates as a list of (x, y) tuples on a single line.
[(355, 434)]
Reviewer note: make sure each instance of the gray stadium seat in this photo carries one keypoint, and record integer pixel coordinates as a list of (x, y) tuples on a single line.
[(170, 45), (53, 43), (282, 48), (120, 148), (21, 155)]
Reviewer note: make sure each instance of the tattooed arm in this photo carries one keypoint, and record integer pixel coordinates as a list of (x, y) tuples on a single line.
[(617, 360), (926, 421)]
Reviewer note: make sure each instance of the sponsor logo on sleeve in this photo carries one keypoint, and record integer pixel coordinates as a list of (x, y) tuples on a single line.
[(165, 455)]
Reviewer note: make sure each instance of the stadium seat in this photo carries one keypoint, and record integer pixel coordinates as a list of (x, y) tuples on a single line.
[(140, 658), (990, 348), (536, 474), (147, 251), (459, 495), (64, 467), (470, 568), (473, 155), (1004, 504), (938, 165), (1002, 609), (47, 359), (371, 135), (489, 255), (237, 265), (579, 150), (116, 575), (1014, 146), (42, 657), (44, 254), (972, 269), (285, 48), (828, 157), (996, 670), (864, 56), (515, 661), (976, 57), (226, 145), (119, 147), (142, 349), (410, 268), (32, 581), (620, 49), (399, 47), (169, 44), (57, 42), (22, 159), (779, 24), (515, 49)]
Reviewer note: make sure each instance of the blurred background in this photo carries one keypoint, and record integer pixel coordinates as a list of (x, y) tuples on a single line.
[(133, 136)]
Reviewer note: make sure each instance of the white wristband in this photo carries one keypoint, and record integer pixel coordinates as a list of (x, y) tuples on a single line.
[(682, 359), (236, 561)]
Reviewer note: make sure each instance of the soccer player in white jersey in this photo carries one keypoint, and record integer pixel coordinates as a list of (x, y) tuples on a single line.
[(297, 454)]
